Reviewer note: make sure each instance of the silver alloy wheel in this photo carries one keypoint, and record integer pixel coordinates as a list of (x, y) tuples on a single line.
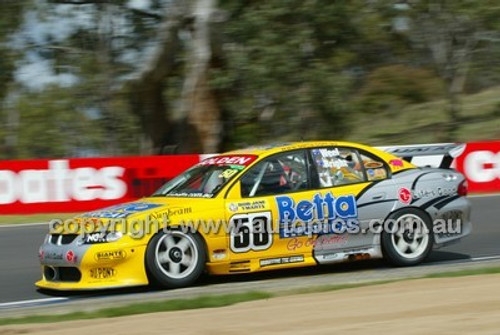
[(410, 236), (176, 254)]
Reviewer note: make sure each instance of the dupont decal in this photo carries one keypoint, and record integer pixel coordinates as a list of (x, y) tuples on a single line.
[(102, 273), (121, 211), (321, 214), (404, 195), (281, 260)]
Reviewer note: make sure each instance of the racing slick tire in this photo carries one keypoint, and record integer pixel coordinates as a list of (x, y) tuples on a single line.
[(407, 238), (175, 259)]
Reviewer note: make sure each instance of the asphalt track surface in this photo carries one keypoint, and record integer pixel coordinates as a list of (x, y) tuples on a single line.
[(19, 267)]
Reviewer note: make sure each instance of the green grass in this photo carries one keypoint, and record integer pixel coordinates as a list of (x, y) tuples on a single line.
[(464, 273), (210, 301), (34, 218), (423, 123), (205, 301)]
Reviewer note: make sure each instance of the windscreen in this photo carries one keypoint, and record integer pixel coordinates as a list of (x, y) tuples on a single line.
[(207, 178)]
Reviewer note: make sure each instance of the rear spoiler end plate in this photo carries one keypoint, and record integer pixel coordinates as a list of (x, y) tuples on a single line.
[(431, 155)]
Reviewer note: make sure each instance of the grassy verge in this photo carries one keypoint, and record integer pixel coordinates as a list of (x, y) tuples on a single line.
[(463, 273), (34, 218), (208, 301)]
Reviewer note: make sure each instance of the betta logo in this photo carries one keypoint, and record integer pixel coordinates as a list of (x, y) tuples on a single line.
[(321, 209)]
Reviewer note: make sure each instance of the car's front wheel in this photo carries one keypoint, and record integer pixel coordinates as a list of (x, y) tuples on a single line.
[(407, 238), (175, 259)]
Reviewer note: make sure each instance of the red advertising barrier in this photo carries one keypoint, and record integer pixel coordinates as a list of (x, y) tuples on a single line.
[(82, 184), (480, 163)]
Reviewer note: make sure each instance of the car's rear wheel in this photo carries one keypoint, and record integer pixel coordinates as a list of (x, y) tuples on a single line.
[(408, 237), (175, 259)]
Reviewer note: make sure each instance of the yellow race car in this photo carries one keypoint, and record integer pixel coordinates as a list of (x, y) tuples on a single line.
[(263, 208)]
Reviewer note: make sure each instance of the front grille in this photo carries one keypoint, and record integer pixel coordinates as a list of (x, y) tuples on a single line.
[(62, 274), (60, 239), (54, 238)]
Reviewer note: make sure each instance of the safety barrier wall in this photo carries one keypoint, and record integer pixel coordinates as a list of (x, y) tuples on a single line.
[(480, 163), (82, 184)]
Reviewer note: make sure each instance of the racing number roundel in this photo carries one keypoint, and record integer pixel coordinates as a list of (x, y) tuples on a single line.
[(251, 231)]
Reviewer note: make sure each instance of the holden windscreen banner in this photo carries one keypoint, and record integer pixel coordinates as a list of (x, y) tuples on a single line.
[(480, 163), (82, 184)]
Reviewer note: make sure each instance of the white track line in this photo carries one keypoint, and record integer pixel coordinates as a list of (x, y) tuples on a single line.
[(483, 195), (23, 303), (476, 259), (19, 225)]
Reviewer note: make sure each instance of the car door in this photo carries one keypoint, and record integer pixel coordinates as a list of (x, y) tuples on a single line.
[(253, 207), (345, 175)]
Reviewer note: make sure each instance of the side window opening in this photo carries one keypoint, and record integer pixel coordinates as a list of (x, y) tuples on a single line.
[(276, 175), (375, 168), (337, 166)]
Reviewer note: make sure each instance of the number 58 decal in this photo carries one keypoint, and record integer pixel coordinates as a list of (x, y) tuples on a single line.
[(251, 231)]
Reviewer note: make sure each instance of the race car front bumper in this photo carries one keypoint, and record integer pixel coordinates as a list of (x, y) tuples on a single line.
[(67, 264)]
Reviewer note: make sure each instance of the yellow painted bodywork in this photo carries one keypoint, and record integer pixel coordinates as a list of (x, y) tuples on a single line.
[(129, 270)]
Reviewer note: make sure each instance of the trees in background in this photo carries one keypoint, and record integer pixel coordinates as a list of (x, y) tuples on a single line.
[(290, 67), (10, 19), (111, 77), (453, 33)]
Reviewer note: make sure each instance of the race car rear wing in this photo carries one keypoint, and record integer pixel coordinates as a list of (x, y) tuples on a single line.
[(431, 155)]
